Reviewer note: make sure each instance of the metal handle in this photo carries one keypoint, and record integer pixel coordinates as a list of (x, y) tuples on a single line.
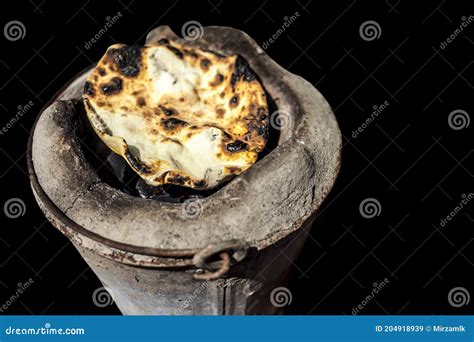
[(229, 252)]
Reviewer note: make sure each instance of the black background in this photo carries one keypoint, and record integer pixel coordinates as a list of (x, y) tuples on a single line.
[(408, 158)]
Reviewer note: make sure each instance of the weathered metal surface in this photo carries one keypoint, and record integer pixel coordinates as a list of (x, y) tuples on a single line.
[(151, 256), (245, 290)]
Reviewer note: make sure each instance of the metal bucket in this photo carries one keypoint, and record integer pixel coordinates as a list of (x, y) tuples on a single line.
[(229, 258)]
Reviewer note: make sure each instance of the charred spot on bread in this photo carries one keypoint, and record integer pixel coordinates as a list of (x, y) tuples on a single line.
[(172, 123), (234, 101), (200, 184), (114, 86), (205, 63), (218, 79), (167, 111), (127, 59), (176, 51), (236, 146), (135, 163), (242, 71), (88, 89), (141, 102)]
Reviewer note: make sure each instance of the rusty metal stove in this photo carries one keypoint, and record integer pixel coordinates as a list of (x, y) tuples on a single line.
[(224, 261)]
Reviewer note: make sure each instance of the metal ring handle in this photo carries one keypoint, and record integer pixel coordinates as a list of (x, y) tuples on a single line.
[(229, 252)]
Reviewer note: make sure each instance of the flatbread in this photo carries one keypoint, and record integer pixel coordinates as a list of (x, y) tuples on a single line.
[(178, 114)]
